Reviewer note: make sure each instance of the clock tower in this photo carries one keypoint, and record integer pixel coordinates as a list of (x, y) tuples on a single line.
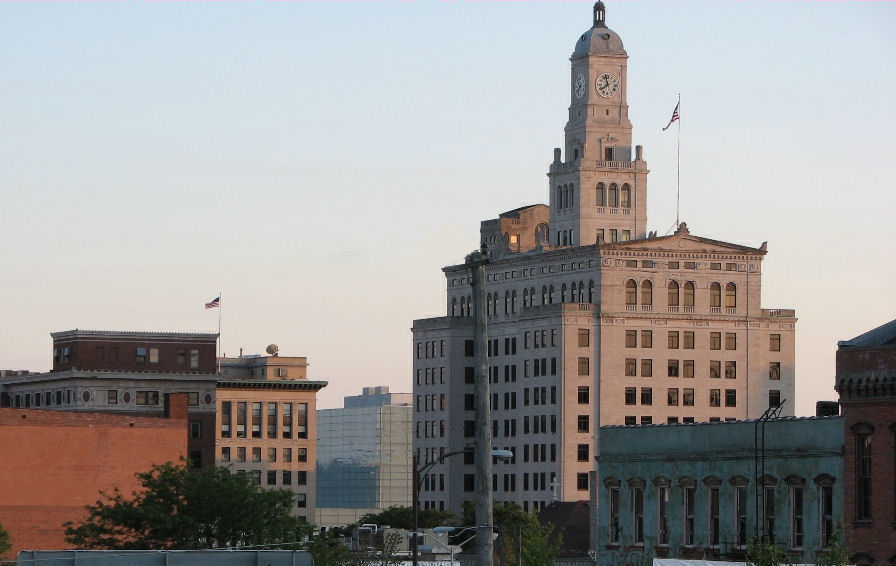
[(598, 187)]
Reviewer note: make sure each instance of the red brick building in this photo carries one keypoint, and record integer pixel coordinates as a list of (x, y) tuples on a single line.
[(55, 463), (102, 350), (866, 381)]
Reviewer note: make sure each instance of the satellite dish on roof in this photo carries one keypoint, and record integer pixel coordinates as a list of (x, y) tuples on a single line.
[(272, 349)]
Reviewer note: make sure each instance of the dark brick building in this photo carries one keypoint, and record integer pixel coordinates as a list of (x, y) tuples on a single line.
[(866, 382), (134, 351)]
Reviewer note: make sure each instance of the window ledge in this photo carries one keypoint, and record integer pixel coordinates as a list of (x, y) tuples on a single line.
[(862, 524)]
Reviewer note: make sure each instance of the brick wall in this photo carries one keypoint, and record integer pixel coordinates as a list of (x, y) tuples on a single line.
[(112, 353), (54, 463)]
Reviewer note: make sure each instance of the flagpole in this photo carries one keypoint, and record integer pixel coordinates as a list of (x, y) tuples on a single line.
[(218, 353), (678, 195)]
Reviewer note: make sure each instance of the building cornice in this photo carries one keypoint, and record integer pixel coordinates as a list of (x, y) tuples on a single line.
[(290, 385)]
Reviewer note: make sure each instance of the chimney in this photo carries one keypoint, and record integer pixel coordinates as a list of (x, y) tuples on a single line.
[(827, 408)]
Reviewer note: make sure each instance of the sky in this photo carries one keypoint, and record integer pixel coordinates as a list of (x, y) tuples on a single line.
[(318, 163)]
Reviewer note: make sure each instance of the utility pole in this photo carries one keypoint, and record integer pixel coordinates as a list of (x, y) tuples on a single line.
[(477, 261)]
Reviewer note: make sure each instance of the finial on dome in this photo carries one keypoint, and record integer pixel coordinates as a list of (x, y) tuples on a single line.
[(600, 15)]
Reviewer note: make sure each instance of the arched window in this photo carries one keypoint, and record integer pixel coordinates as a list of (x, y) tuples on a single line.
[(469, 305), (572, 197), (532, 297), (525, 297), (488, 305), (506, 302), (601, 196), (613, 196), (563, 293), (591, 291), (715, 295), (631, 292), (626, 196), (688, 293), (454, 306), (551, 295), (731, 295), (559, 197), (646, 293), (513, 301), (544, 295), (463, 306), (573, 296), (673, 293), (495, 304)]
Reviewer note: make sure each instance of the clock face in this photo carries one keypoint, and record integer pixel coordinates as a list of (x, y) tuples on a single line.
[(580, 86), (607, 85)]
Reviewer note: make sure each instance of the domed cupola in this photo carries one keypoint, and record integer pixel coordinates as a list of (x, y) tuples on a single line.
[(599, 40)]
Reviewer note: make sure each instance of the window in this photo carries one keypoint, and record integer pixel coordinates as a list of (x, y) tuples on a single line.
[(256, 420), (715, 369), (796, 516), (715, 295), (225, 453), (688, 340), (731, 296), (194, 359), (631, 338), (673, 340), (614, 192), (646, 368), (301, 500), (715, 340), (647, 396), (673, 294), (613, 497), (302, 455), (672, 397), (600, 198), (272, 477), (286, 420), (584, 395), (774, 342), (584, 337), (287, 454), (241, 454), (469, 429), (630, 420), (688, 293), (626, 196), (638, 515), (141, 355), (147, 398), (181, 357), (826, 508), (468, 482), (584, 364), (582, 452), (714, 516), (583, 423), (687, 397), (301, 420), (768, 512), (687, 495), (631, 367), (647, 339), (272, 454), (287, 477), (774, 370), (646, 293), (715, 266), (740, 515), (582, 481), (195, 430), (863, 474), (731, 397), (256, 454), (715, 397), (631, 292), (112, 397), (672, 368), (688, 368), (730, 341), (662, 512), (630, 395), (193, 398), (731, 370), (774, 398), (301, 478)]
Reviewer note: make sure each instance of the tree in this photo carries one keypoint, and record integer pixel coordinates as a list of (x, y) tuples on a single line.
[(540, 544), (399, 517), (4, 541), (764, 553), (519, 532), (179, 509), (834, 552)]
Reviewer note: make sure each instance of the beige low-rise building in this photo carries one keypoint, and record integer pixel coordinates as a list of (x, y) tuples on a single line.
[(591, 319)]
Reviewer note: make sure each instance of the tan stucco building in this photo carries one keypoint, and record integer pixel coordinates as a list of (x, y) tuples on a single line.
[(591, 319)]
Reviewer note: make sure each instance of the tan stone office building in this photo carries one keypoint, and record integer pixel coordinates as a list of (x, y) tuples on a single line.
[(266, 423), (591, 319)]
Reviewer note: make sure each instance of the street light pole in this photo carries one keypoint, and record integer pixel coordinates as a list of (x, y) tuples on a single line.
[(483, 479)]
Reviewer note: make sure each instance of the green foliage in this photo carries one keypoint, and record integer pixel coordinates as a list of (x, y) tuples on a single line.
[(5, 545), (764, 553), (519, 532), (328, 550), (179, 509), (399, 517), (540, 545), (834, 552)]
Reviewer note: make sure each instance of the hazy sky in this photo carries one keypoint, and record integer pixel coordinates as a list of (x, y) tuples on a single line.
[(318, 163)]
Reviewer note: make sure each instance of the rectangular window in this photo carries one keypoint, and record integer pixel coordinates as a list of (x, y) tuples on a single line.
[(272, 420), (796, 516), (613, 534), (468, 348), (631, 367), (673, 368), (647, 396), (272, 454), (582, 452), (631, 420), (112, 397), (583, 423), (768, 511), (584, 337), (688, 339), (287, 477), (715, 340), (241, 454), (582, 481), (715, 266), (730, 341), (287, 454), (469, 482), (740, 515), (147, 398), (272, 477), (584, 366), (672, 397), (687, 397), (774, 398), (631, 338), (774, 370), (256, 419), (140, 356), (301, 420), (301, 454), (646, 368), (583, 395), (195, 430), (715, 369), (301, 500), (687, 369), (286, 428), (638, 515), (731, 397), (714, 517), (256, 454), (731, 370), (301, 478), (630, 395), (225, 453), (193, 398), (647, 339), (194, 359), (662, 513), (673, 339), (715, 397), (225, 418), (774, 342), (826, 508), (863, 477), (153, 355), (181, 357), (687, 495)]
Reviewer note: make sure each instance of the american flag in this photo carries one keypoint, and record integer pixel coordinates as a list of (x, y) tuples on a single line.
[(216, 302), (674, 117)]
